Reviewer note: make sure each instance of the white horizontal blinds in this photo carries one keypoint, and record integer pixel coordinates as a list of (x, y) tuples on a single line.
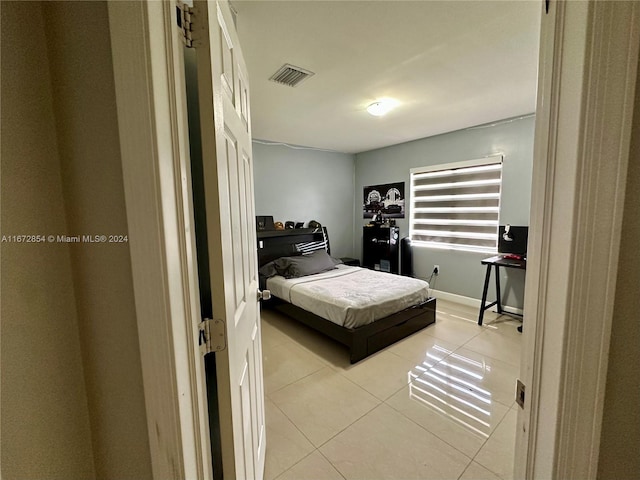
[(456, 206)]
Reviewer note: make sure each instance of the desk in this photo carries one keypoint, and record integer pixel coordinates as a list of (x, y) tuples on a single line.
[(496, 262)]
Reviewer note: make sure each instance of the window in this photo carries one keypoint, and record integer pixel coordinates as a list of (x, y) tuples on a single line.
[(456, 206)]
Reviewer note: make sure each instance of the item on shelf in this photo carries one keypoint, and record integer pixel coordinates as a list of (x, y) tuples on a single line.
[(289, 224), (279, 226), (264, 222), (314, 224)]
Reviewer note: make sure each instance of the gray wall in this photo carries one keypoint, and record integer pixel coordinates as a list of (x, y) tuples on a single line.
[(72, 395), (93, 190), (460, 272), (302, 184), (45, 419)]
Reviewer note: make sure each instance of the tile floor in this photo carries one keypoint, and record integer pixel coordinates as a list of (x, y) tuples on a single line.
[(436, 405)]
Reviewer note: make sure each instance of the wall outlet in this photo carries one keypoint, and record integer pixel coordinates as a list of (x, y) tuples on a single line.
[(436, 270)]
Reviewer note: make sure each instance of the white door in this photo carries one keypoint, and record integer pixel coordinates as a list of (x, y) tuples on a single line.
[(228, 183)]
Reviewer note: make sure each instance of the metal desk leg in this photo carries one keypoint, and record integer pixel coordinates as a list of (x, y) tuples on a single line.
[(498, 299), (484, 294)]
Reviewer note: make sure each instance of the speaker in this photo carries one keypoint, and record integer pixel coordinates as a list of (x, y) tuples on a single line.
[(406, 257)]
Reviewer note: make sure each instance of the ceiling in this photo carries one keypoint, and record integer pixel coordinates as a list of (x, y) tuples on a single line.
[(449, 64)]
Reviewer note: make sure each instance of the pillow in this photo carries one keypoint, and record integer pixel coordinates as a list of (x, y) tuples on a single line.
[(268, 270), (300, 266)]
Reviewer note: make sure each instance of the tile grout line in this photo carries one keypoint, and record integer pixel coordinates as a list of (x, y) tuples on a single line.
[(301, 433), (307, 456), (348, 426), (341, 371), (423, 427), (494, 431), (380, 402), (297, 380)]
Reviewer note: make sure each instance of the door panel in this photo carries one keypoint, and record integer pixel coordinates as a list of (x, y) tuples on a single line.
[(228, 188), (243, 92), (226, 52)]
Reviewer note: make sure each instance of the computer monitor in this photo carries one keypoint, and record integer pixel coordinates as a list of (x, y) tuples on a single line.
[(513, 239)]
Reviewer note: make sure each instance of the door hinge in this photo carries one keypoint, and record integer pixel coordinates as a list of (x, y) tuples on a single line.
[(184, 15), (212, 336), (520, 388)]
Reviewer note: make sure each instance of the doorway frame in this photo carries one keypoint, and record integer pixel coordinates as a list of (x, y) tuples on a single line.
[(587, 79), (559, 294), (148, 72)]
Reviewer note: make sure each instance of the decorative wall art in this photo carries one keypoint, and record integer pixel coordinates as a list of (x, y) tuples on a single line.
[(387, 199)]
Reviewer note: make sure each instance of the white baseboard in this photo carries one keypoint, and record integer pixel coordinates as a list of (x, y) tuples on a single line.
[(471, 302)]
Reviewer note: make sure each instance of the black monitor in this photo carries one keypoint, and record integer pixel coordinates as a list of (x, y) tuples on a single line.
[(513, 239)]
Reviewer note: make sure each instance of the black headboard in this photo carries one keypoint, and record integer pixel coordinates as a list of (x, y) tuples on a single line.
[(274, 244)]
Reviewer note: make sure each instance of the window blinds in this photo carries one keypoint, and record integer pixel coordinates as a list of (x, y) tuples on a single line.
[(456, 206)]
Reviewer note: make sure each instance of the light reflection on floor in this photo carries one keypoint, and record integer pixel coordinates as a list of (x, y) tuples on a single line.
[(446, 390), (451, 384)]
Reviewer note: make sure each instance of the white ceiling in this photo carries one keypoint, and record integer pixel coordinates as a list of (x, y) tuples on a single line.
[(450, 64)]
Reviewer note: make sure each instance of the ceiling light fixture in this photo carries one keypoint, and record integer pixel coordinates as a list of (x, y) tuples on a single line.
[(381, 107)]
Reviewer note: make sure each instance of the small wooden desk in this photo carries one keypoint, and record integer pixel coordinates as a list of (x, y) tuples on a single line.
[(497, 262)]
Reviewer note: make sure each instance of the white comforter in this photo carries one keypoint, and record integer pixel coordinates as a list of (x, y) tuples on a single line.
[(351, 296)]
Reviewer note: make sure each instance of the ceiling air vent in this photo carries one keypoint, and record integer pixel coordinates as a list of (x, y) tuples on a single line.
[(290, 75)]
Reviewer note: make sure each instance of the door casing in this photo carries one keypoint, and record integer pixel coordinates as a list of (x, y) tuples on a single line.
[(586, 84), (567, 170), (148, 73)]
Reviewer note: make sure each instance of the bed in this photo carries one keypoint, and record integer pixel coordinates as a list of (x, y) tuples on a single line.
[(360, 308)]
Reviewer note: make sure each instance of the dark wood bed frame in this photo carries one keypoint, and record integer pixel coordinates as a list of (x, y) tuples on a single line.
[(362, 341)]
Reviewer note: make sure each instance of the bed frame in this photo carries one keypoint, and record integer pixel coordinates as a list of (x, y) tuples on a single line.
[(361, 341)]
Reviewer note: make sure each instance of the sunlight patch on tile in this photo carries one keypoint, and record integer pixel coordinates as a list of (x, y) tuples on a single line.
[(451, 384)]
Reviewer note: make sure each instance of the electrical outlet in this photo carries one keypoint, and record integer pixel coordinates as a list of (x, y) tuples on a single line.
[(436, 269)]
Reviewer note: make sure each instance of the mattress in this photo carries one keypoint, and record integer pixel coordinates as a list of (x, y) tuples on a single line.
[(350, 296)]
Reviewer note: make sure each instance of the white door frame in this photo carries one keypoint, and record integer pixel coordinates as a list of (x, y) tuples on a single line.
[(148, 71), (572, 267), (588, 63)]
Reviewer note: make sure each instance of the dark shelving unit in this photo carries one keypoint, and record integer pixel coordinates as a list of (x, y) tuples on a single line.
[(380, 247)]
